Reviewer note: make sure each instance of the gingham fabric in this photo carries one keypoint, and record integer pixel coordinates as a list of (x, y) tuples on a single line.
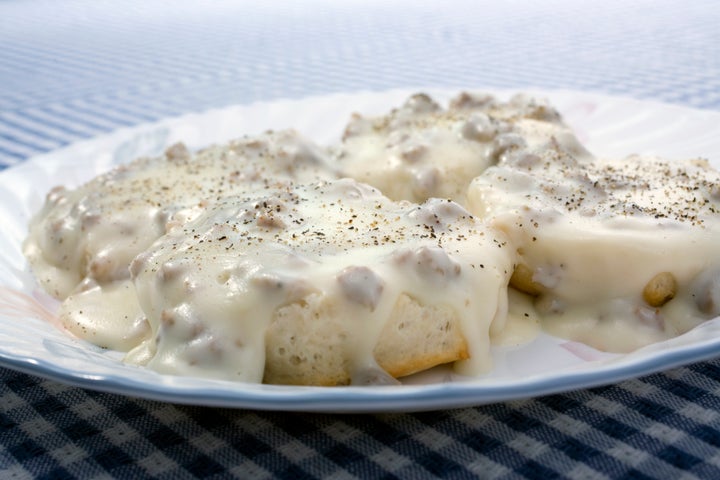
[(70, 70)]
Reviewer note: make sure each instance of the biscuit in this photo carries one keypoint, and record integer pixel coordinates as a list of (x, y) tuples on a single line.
[(608, 248), (82, 241), (421, 150), (322, 284)]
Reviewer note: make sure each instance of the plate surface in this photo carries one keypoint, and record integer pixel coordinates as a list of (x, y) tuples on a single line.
[(609, 126)]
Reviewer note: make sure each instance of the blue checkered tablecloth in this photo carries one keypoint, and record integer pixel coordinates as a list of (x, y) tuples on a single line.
[(70, 70)]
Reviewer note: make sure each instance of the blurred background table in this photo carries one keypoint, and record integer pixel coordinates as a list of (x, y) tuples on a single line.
[(70, 70)]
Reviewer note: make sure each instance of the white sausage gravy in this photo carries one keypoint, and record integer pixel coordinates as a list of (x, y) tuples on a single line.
[(213, 288), (81, 243), (255, 261), (616, 253)]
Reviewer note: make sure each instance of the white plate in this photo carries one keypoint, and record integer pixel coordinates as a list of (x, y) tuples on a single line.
[(30, 341)]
